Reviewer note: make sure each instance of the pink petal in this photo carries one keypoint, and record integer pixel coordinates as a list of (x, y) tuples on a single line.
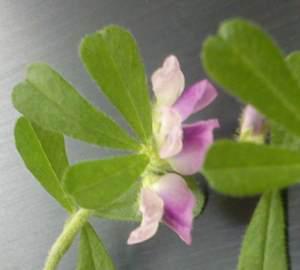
[(195, 98), (151, 208), (169, 135), (196, 140), (179, 202), (168, 81), (252, 121)]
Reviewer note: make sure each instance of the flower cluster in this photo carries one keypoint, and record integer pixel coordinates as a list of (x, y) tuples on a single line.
[(166, 196)]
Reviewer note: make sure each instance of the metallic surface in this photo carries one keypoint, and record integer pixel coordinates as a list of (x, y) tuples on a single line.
[(50, 31)]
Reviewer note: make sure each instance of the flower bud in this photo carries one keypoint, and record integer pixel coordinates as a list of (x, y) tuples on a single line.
[(252, 125)]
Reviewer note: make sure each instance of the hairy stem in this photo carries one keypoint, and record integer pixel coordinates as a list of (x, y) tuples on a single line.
[(65, 239)]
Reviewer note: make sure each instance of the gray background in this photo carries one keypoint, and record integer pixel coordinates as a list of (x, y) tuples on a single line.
[(50, 31)]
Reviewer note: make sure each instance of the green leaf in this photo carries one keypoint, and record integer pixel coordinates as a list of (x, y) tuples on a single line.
[(48, 100), (97, 184), (245, 61), (243, 169), (264, 243), (44, 155), (126, 207), (293, 62), (92, 253), (280, 137), (199, 195), (112, 58)]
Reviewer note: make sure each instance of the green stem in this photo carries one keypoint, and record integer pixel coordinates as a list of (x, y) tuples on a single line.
[(65, 239)]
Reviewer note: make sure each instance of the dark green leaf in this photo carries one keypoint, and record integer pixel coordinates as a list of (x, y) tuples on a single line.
[(242, 169), (44, 154), (48, 100), (200, 198), (245, 61), (92, 253), (112, 58), (264, 243), (97, 184)]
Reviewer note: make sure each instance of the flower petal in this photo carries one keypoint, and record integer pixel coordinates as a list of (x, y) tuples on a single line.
[(168, 81), (196, 140), (179, 202), (151, 208), (195, 98), (169, 135)]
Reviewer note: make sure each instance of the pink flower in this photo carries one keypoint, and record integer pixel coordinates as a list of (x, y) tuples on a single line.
[(169, 200), (184, 146)]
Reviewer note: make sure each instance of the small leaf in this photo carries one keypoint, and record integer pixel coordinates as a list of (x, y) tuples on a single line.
[(125, 208), (199, 195), (92, 253), (264, 243), (243, 169), (112, 58), (48, 100), (97, 184), (44, 155), (246, 62)]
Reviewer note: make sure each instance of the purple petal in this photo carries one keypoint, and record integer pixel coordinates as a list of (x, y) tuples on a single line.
[(152, 208), (179, 202), (252, 121), (196, 140), (195, 98), (168, 81)]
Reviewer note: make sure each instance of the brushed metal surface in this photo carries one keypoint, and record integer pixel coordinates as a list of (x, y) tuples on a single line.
[(50, 31)]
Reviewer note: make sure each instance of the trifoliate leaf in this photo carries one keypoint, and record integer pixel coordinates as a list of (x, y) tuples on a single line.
[(98, 184), (112, 58), (43, 153), (48, 100), (244, 169), (92, 253), (264, 246), (248, 64)]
